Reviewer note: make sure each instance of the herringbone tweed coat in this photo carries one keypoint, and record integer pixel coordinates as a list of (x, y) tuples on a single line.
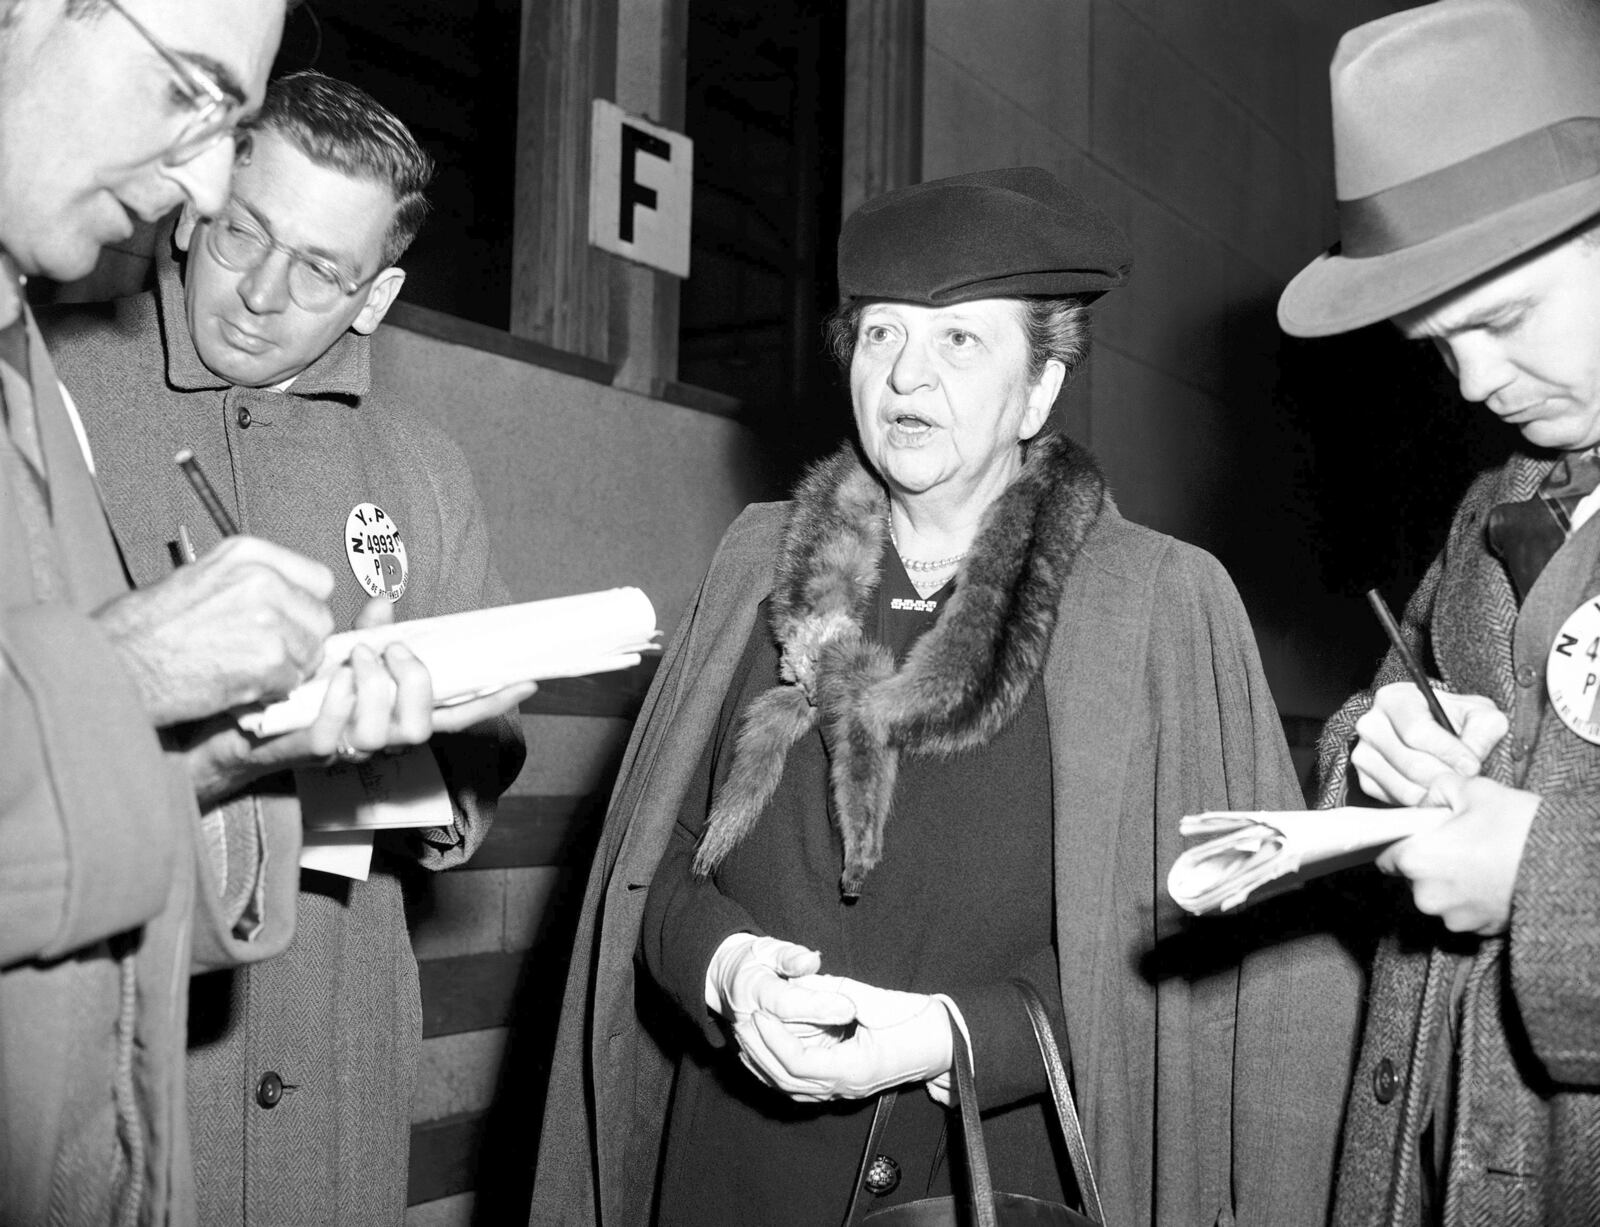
[(338, 1016), (1526, 1147)]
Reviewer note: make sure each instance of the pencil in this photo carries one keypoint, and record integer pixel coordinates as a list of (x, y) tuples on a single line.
[(208, 497), (1413, 669)]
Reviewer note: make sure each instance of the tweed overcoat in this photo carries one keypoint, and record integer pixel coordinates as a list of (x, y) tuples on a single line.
[(104, 887), (1526, 1147), (338, 1017), (1209, 1061)]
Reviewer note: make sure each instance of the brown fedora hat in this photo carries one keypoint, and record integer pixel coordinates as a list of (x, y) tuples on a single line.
[(1465, 133)]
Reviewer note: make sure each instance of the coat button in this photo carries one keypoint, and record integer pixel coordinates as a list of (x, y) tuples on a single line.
[(883, 1176), (244, 418), (1527, 675), (1519, 749), (1385, 1081), (269, 1090)]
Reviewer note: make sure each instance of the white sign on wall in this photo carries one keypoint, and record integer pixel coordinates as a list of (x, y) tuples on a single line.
[(641, 182)]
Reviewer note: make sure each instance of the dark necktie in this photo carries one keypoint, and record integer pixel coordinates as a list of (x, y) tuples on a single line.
[(1527, 535)]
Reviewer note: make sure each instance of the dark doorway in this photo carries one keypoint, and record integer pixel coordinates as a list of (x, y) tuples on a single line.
[(449, 71), (765, 106)]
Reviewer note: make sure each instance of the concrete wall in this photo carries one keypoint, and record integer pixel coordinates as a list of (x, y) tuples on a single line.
[(1202, 127), (587, 486)]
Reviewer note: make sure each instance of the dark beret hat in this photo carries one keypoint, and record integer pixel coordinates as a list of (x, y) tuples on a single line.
[(992, 234)]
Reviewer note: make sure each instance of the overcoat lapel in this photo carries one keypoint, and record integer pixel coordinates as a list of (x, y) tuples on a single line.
[(1479, 602), (721, 618), (91, 566)]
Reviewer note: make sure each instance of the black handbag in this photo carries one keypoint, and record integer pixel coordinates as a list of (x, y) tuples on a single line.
[(989, 1208)]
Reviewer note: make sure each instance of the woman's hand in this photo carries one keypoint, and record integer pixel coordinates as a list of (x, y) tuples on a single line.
[(751, 975), (817, 1037), (895, 1038)]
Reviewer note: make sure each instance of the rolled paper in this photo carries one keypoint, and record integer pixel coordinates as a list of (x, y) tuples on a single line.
[(480, 651), (1252, 849)]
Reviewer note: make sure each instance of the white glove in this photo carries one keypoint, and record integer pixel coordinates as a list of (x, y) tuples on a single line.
[(750, 975), (897, 1038), (941, 1088)]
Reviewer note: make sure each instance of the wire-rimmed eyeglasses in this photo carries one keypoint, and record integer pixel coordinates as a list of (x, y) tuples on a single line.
[(242, 243), (214, 108)]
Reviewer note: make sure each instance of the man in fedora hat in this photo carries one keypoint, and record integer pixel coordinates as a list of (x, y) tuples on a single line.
[(1467, 151)]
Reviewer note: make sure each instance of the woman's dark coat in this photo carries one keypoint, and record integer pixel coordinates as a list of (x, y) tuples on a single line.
[(1210, 1075)]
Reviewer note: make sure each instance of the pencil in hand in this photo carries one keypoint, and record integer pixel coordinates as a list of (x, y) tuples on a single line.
[(205, 493), (1409, 660)]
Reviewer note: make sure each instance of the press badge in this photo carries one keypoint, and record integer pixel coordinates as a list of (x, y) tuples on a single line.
[(376, 552), (1572, 674)]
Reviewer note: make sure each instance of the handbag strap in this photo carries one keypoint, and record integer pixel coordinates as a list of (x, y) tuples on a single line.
[(971, 1136), (972, 1130), (880, 1121), (977, 1154), (1061, 1092)]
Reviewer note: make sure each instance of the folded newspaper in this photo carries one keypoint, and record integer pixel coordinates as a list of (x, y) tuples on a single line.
[(1251, 850), (475, 653)]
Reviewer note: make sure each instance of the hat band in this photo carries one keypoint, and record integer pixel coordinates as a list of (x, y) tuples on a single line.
[(1523, 169)]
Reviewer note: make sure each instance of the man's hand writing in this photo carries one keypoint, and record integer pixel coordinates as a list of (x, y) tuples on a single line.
[(1402, 750), (373, 703), (245, 622)]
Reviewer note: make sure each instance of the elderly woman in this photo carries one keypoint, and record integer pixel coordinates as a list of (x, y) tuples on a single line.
[(929, 728)]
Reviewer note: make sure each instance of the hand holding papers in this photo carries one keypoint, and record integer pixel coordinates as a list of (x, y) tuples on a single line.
[(1249, 849), (469, 654), (342, 805)]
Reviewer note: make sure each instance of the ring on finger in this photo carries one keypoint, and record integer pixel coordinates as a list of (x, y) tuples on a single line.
[(346, 753)]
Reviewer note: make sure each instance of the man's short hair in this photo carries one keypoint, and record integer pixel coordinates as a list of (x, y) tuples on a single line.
[(344, 128)]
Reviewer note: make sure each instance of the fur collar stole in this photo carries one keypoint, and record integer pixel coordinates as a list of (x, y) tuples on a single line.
[(963, 680)]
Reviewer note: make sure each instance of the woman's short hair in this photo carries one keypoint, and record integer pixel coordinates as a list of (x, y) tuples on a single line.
[(1054, 328), (344, 128)]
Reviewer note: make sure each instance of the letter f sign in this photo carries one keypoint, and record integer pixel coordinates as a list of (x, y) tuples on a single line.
[(641, 185), (635, 193)]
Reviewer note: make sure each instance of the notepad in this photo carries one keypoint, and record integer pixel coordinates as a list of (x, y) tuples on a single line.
[(476, 653)]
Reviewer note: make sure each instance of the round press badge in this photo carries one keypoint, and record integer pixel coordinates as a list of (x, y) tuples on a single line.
[(1572, 674), (377, 555)]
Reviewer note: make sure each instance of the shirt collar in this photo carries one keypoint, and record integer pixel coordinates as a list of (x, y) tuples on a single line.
[(345, 370)]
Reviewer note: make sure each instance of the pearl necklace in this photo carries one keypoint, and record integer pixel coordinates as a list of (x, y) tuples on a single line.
[(924, 565), (930, 565)]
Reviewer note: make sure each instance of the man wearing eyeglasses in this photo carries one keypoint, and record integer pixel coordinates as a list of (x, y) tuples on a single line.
[(255, 355), (112, 111)]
